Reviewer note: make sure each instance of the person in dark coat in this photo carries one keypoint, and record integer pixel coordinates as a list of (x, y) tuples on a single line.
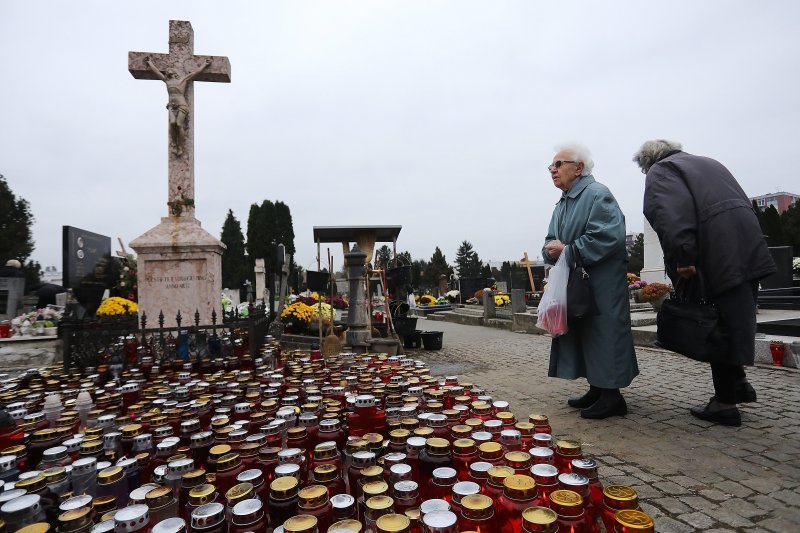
[(12, 269), (706, 224)]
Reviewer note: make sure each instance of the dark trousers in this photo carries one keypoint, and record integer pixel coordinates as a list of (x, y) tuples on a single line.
[(726, 378)]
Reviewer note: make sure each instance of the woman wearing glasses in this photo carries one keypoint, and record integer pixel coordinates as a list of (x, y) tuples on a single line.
[(598, 348)]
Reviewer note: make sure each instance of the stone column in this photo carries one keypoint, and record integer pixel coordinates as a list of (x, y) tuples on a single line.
[(358, 320), (489, 310), (260, 282), (518, 301), (653, 270)]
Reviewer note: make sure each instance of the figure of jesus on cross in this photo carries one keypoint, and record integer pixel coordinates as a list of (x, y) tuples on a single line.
[(177, 105)]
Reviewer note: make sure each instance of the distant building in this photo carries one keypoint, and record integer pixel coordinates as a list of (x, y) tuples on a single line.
[(630, 240), (779, 200)]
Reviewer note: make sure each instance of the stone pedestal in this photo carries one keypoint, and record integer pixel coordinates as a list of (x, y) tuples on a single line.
[(489, 310), (358, 319), (180, 267), (260, 280), (653, 271)]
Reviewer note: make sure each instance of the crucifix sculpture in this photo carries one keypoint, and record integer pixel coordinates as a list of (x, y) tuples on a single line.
[(178, 70)]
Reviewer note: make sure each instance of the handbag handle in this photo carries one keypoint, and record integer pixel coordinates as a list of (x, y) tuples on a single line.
[(683, 285), (575, 256)]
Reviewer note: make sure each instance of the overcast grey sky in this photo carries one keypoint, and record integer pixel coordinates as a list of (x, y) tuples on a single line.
[(440, 116)]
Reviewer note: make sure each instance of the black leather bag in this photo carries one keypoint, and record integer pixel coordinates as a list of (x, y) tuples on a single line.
[(692, 328), (580, 299)]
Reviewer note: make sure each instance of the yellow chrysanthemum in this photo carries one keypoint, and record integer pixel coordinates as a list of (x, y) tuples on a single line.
[(117, 306)]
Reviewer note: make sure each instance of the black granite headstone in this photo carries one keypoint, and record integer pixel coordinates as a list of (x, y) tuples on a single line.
[(520, 280), (87, 265), (782, 255)]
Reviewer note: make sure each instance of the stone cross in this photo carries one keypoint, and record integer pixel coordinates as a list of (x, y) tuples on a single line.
[(178, 70)]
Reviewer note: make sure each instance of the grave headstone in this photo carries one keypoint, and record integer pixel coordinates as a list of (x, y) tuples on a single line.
[(179, 262), (782, 278), (260, 279), (87, 266), (11, 292), (653, 270)]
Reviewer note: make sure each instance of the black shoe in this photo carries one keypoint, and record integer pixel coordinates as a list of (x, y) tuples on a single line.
[(610, 403), (745, 393), (587, 400), (713, 412)]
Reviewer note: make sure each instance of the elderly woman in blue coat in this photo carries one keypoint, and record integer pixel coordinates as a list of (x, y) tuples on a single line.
[(598, 348)]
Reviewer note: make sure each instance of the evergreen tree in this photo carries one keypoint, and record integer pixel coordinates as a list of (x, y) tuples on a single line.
[(16, 220), (436, 268), (234, 258), (404, 258), (468, 264), (486, 271), (418, 268), (772, 226), (383, 257), (636, 255), (505, 272), (284, 230), (790, 223)]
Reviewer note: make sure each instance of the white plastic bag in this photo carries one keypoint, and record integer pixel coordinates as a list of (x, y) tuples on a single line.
[(552, 314)]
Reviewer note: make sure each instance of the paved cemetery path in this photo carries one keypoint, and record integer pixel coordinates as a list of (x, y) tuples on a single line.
[(692, 476)]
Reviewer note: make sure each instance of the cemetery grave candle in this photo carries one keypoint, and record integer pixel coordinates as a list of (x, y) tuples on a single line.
[(477, 514)]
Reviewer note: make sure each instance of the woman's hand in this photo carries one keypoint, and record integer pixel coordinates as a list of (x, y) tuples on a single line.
[(554, 248)]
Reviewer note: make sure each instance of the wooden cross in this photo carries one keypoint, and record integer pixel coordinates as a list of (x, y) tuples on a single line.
[(527, 264), (178, 70)]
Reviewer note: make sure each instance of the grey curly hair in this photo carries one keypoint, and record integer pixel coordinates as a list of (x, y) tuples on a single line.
[(579, 152), (653, 151)]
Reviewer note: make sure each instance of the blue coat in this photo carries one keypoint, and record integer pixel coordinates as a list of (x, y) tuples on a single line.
[(599, 348)]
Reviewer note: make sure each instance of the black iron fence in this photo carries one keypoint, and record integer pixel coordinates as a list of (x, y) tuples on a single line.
[(89, 343)]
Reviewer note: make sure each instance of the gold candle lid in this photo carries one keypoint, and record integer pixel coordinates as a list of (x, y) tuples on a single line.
[(525, 428), (477, 502), (283, 488), (437, 446), (103, 504), (634, 520), (303, 523), (43, 435), (17, 451), (218, 451), (539, 516), (378, 503), (566, 498), (519, 487), (326, 472), (425, 432), (228, 462), (109, 475), (201, 494), (375, 488), (158, 497), (399, 436), (352, 525), (239, 492), (31, 484), (497, 474), (312, 496), (491, 449), (620, 493), (392, 523), (374, 471), (131, 430), (38, 527)]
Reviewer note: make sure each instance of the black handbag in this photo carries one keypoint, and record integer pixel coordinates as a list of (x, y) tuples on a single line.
[(692, 328), (580, 299)]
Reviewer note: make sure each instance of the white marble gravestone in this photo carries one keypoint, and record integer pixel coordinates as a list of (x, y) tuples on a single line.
[(653, 270), (179, 262)]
